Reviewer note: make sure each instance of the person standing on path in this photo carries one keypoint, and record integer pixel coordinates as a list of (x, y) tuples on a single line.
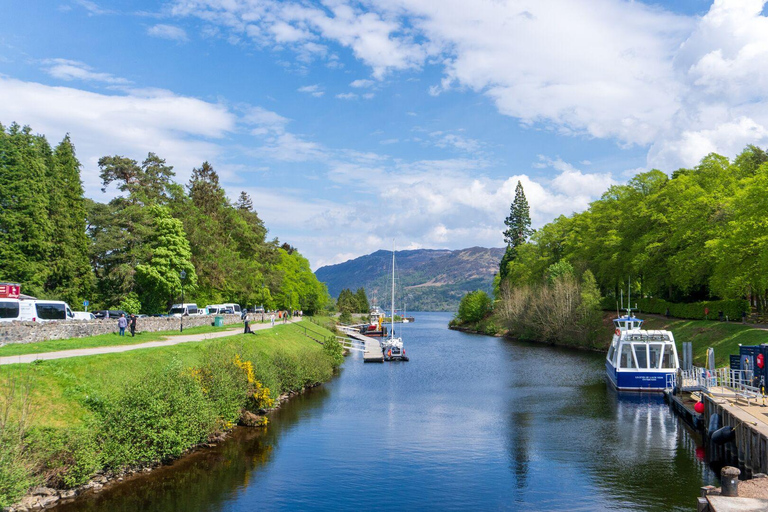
[(246, 321), (133, 325), (272, 319), (122, 323)]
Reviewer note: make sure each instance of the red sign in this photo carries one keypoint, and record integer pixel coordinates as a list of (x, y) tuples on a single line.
[(10, 290), (760, 360)]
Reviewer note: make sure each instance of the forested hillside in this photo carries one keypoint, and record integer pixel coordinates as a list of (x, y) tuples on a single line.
[(428, 280), (129, 253), (697, 234)]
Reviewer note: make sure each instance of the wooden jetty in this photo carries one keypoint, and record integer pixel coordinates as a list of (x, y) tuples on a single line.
[(373, 352)]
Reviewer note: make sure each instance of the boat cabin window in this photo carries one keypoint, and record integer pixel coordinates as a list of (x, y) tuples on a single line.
[(623, 324), (655, 352), (641, 355), (610, 353), (625, 359), (669, 357)]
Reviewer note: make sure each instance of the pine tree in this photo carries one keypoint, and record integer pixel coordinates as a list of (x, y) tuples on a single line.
[(362, 301), (71, 276), (518, 228), (244, 202), (25, 229)]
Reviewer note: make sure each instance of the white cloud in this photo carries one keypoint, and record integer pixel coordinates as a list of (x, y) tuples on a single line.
[(68, 70), (361, 83), (171, 32), (314, 90), (179, 128), (626, 71), (347, 96)]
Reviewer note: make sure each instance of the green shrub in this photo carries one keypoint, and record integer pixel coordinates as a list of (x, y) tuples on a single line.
[(474, 306), (334, 351), (16, 475), (732, 308), (156, 417), (224, 383), (345, 317), (66, 457)]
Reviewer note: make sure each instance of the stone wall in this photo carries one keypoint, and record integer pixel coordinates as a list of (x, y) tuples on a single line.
[(31, 332)]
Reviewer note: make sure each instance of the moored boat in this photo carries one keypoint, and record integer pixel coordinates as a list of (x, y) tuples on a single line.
[(640, 360)]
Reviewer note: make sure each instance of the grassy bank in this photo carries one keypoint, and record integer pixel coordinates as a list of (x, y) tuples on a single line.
[(723, 337), (105, 340), (61, 421)]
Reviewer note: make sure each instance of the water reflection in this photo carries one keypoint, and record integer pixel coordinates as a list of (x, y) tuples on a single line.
[(471, 422), (209, 478)]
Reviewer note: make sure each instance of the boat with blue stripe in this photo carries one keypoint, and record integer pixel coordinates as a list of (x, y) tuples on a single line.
[(640, 360)]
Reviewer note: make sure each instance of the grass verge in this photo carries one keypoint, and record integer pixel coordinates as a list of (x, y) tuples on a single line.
[(70, 418)]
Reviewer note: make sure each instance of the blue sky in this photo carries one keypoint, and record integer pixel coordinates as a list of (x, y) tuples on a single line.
[(352, 123)]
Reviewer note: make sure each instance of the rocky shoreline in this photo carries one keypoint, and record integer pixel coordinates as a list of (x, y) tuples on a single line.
[(46, 497)]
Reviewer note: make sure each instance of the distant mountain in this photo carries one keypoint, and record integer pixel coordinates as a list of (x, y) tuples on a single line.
[(432, 280)]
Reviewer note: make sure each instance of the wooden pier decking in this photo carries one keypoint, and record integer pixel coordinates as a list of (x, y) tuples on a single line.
[(373, 352)]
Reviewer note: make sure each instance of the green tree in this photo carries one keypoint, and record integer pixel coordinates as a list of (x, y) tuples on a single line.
[(25, 226), (158, 279), (518, 230), (361, 299), (71, 276), (474, 306)]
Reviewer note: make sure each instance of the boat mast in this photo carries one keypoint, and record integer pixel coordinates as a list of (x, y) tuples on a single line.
[(392, 320)]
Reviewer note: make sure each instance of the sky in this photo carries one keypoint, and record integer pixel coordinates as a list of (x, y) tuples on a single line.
[(353, 123)]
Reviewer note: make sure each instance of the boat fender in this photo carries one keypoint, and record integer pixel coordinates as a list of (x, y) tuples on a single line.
[(724, 435), (714, 424)]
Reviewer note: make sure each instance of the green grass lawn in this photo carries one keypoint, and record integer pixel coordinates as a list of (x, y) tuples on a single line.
[(61, 387), (104, 340), (723, 337)]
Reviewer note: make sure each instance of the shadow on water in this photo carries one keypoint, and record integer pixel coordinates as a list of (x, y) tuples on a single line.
[(206, 479), (471, 422)]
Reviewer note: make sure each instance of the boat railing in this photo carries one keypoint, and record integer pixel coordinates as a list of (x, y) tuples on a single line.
[(720, 382)]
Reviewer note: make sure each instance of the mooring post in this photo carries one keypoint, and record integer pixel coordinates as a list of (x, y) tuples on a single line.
[(730, 479)]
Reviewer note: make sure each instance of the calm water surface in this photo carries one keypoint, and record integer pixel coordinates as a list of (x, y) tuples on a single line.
[(471, 422)]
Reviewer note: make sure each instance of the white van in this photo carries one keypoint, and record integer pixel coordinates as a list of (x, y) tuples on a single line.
[(34, 310), (212, 309), (83, 315), (185, 309), (234, 307)]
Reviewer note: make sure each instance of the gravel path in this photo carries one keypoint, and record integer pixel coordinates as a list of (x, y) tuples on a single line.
[(170, 340)]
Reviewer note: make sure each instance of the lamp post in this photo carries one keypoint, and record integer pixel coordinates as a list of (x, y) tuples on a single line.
[(182, 275)]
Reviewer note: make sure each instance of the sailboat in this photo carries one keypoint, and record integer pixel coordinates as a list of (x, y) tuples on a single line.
[(392, 347)]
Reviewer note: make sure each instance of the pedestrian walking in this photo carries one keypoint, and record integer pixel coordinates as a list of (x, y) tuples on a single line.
[(122, 323), (285, 317), (246, 321), (272, 319), (133, 326)]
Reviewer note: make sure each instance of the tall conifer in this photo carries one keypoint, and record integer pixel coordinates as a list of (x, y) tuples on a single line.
[(518, 228)]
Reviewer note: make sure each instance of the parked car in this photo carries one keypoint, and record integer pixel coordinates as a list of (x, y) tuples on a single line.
[(110, 313), (83, 315)]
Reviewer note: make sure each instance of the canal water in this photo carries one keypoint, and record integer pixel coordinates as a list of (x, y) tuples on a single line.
[(471, 422)]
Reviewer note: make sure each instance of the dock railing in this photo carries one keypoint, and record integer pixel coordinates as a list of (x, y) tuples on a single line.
[(720, 382)]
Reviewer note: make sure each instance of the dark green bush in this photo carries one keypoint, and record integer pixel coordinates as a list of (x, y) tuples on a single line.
[(66, 457), (474, 306), (156, 417), (334, 351), (732, 308)]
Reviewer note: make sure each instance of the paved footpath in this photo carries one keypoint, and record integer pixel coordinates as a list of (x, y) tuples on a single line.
[(169, 340)]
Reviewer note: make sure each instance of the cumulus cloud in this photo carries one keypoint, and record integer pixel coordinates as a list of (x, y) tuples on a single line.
[(347, 96), (361, 83), (626, 71), (171, 32), (179, 128)]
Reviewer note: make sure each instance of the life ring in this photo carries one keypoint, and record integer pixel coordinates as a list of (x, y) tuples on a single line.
[(618, 332)]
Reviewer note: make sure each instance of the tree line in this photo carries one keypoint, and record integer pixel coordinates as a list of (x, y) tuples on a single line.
[(356, 302), (129, 253), (698, 234)]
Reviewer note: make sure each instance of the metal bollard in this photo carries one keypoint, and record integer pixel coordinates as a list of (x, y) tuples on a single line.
[(730, 479)]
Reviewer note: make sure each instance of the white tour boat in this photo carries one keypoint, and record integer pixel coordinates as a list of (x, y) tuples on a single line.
[(640, 360)]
